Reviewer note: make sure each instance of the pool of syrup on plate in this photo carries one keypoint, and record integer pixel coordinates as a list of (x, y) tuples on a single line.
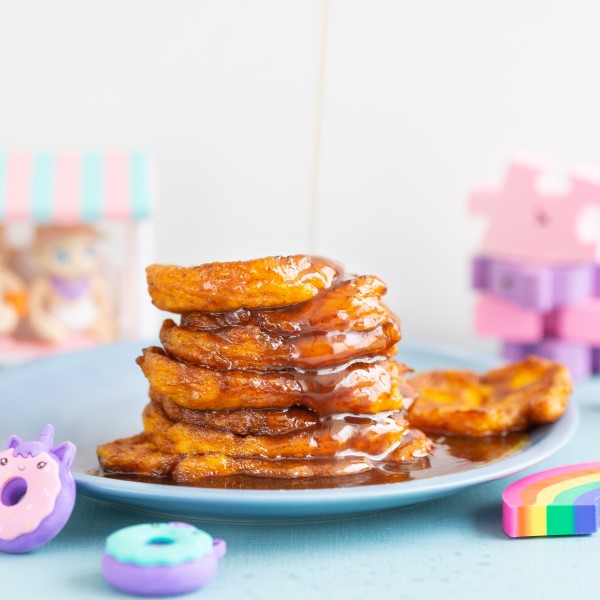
[(453, 454)]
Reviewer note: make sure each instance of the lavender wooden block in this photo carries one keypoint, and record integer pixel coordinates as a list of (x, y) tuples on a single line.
[(576, 357), (536, 287), (573, 284), (515, 352), (480, 270), (596, 281)]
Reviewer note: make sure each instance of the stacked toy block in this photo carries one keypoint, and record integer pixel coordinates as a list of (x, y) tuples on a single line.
[(539, 283)]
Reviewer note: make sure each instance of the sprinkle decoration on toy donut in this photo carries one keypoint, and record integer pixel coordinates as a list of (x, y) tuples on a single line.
[(161, 559), (37, 491)]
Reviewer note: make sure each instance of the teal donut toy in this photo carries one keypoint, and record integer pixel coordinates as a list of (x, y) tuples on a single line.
[(160, 559)]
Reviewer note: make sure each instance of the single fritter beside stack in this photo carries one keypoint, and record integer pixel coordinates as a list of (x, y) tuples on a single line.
[(280, 367)]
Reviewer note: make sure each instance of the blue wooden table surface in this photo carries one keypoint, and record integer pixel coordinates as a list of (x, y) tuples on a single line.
[(450, 548)]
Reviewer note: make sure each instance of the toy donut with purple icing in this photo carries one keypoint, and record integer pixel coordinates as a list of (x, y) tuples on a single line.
[(37, 491), (160, 559)]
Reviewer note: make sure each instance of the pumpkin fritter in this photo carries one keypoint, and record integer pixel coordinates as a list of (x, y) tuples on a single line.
[(352, 304), (280, 367), (196, 467), (358, 388), (242, 421), (225, 286), (512, 398), (139, 456), (373, 435), (249, 347), (136, 455), (415, 444)]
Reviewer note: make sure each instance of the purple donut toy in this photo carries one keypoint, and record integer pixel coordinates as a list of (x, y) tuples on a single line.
[(37, 491), (160, 559)]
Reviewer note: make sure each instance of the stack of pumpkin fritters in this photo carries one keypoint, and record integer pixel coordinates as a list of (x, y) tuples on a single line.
[(280, 367)]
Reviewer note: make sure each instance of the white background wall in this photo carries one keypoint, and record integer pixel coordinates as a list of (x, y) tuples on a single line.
[(421, 101)]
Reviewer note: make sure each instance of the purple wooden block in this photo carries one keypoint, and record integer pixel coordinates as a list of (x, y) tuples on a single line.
[(573, 284), (596, 360), (597, 281), (514, 352), (576, 357), (479, 273), (536, 287), (529, 287), (551, 324)]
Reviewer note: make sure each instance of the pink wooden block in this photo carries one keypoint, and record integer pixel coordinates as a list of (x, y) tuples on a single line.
[(525, 223), (580, 323), (498, 318)]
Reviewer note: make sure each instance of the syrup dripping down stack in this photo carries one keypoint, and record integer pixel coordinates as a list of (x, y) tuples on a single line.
[(279, 367)]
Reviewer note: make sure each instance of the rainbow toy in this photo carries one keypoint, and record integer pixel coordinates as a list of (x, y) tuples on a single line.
[(561, 501)]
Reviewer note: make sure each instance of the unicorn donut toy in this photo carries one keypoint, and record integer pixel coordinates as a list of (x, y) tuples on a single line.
[(37, 491)]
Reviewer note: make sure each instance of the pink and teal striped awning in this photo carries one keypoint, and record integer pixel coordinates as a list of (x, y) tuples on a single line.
[(70, 187)]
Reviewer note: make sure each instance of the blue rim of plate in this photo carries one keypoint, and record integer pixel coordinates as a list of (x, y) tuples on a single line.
[(545, 442), (292, 504)]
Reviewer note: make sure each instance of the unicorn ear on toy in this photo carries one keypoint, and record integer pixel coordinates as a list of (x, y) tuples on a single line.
[(13, 442), (65, 453), (47, 436)]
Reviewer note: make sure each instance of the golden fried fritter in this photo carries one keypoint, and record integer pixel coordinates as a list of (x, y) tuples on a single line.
[(249, 347), (359, 388), (511, 398), (136, 455), (280, 369), (224, 286), (349, 305), (139, 456), (415, 444), (372, 435), (196, 467), (242, 421)]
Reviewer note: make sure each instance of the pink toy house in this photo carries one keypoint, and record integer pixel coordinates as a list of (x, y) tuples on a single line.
[(75, 236)]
